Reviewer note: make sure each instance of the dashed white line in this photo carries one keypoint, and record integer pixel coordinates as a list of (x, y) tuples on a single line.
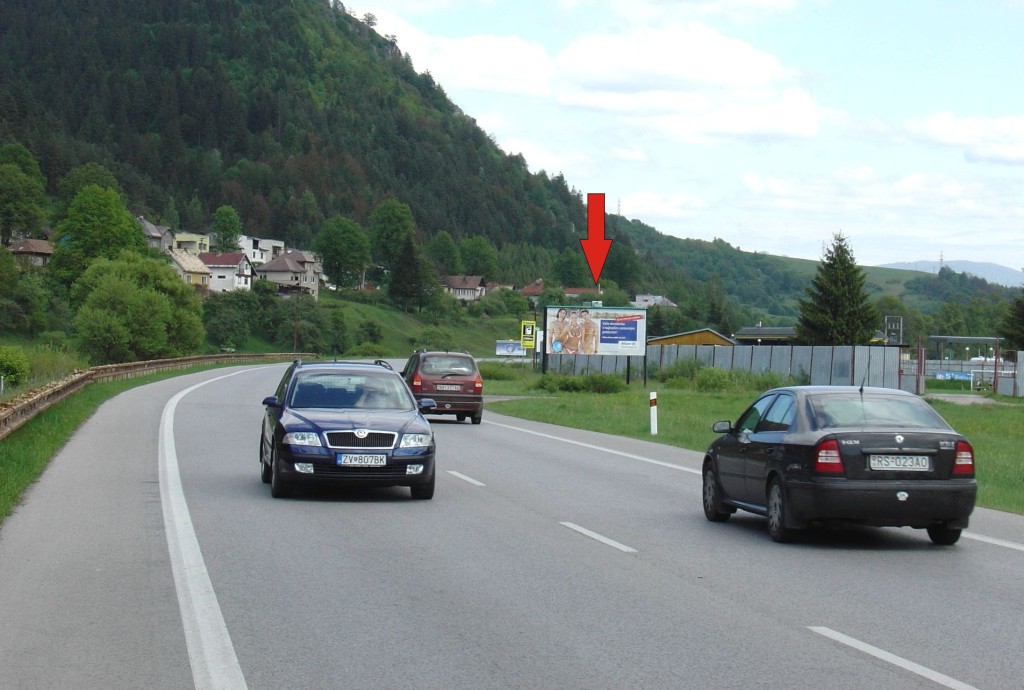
[(920, 670), (210, 651), (465, 478), (591, 446), (599, 537)]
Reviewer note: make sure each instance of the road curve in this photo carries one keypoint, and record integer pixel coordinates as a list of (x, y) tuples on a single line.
[(549, 557)]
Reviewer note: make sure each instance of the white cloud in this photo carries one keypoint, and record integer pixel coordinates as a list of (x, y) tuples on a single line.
[(655, 205), (986, 139), (685, 55)]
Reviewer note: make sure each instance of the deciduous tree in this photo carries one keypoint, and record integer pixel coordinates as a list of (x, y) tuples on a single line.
[(226, 229)]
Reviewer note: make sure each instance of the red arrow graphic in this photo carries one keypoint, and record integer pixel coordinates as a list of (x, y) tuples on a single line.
[(596, 246)]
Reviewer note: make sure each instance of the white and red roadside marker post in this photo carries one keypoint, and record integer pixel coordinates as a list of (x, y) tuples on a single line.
[(654, 413)]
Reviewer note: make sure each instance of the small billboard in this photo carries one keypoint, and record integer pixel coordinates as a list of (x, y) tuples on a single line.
[(579, 330)]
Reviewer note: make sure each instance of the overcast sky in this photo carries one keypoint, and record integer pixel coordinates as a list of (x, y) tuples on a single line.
[(770, 124)]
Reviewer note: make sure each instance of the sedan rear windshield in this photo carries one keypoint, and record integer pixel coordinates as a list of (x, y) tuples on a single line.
[(886, 411), (453, 366)]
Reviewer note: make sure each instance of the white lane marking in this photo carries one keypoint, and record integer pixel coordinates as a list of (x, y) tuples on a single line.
[(465, 478), (993, 540), (213, 659), (591, 446), (922, 671), (969, 535), (599, 537)]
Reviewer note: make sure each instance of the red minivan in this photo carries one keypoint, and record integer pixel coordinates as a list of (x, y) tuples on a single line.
[(451, 379)]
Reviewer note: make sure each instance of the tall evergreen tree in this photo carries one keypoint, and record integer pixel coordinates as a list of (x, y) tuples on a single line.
[(837, 310), (1012, 328), (408, 282)]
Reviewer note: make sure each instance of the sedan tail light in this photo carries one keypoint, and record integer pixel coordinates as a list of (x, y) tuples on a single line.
[(963, 465), (417, 384), (478, 385), (827, 459)]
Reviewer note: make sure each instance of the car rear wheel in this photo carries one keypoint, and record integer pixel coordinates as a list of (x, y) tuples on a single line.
[(943, 535), (712, 506), (278, 486), (423, 492), (477, 417), (777, 514), (460, 417)]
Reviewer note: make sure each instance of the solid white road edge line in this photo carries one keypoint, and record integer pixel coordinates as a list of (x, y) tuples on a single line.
[(993, 540), (591, 446), (601, 538), (213, 659), (465, 478), (922, 671)]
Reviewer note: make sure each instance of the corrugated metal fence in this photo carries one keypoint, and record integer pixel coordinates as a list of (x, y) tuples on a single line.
[(825, 365)]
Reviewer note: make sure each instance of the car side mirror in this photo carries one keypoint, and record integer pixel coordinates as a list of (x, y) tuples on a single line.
[(427, 404), (271, 401), (722, 427)]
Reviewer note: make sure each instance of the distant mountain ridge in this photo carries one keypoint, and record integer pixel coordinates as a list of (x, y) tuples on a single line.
[(993, 273)]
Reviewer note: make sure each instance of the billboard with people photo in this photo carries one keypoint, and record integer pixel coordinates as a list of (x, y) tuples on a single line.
[(578, 330)]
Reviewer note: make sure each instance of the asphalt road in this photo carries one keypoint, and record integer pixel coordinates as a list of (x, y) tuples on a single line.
[(549, 558)]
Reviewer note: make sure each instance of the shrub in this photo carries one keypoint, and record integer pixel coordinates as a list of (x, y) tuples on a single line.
[(591, 383), (367, 350), (710, 379), (14, 365), (683, 369), (501, 371), (434, 339)]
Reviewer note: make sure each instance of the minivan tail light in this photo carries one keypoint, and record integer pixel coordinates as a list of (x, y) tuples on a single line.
[(827, 459), (478, 385), (417, 384), (963, 465)]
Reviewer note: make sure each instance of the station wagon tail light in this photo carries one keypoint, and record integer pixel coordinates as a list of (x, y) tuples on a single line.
[(963, 465), (417, 384), (827, 459), (478, 385)]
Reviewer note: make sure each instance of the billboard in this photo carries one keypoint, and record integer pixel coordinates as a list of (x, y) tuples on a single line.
[(579, 330)]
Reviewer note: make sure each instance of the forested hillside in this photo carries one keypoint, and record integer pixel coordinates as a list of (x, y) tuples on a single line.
[(294, 112)]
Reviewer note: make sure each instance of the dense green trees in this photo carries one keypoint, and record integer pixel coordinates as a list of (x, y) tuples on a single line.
[(97, 225), (344, 251), (22, 202), (837, 310), (135, 308)]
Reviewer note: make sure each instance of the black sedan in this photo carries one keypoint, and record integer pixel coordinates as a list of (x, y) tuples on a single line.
[(345, 423), (819, 454)]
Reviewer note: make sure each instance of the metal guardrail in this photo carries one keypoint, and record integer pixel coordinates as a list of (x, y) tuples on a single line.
[(16, 412)]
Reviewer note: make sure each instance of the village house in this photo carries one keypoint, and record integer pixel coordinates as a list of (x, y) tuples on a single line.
[(192, 271), (260, 251), (34, 252), (293, 271), (229, 271), (465, 288), (157, 236), (645, 301), (192, 242)]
